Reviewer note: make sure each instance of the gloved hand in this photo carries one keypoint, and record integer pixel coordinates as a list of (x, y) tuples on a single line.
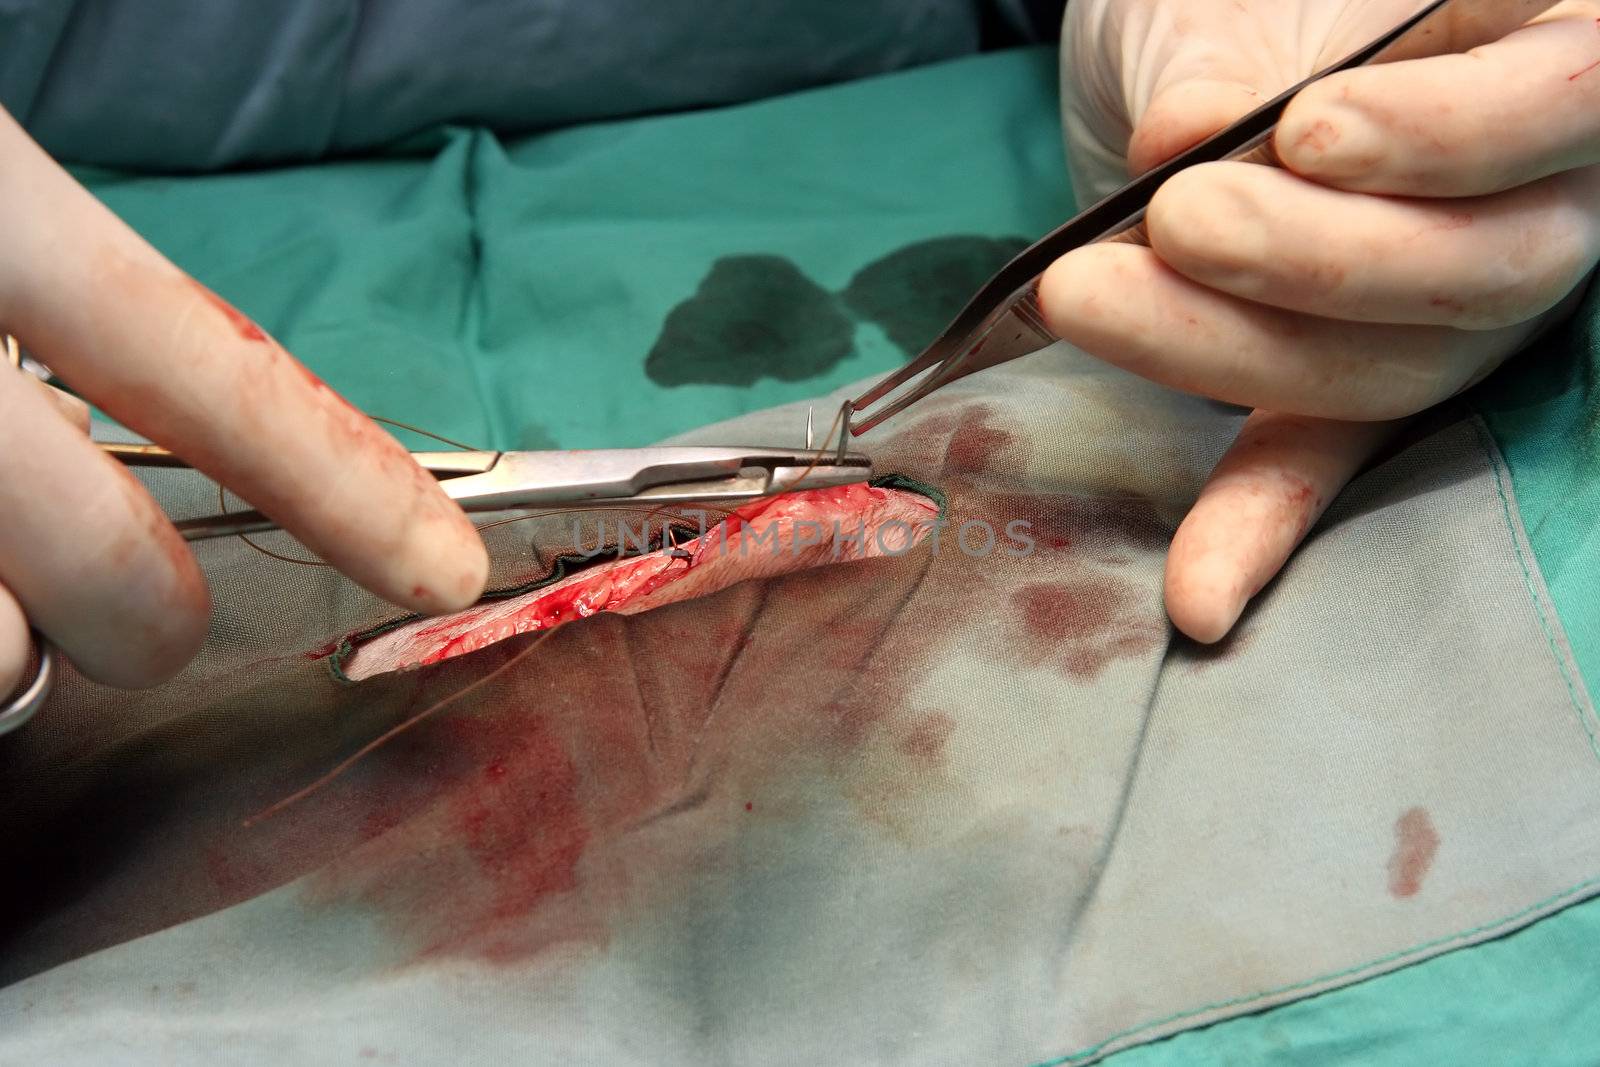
[(1435, 215), (85, 553)]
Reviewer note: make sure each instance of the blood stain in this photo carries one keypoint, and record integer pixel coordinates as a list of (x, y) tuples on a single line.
[(241, 323), (975, 445), (1068, 611), (1321, 136), (1591, 67), (503, 843), (926, 740), (1300, 504), (1416, 843), (1084, 625)]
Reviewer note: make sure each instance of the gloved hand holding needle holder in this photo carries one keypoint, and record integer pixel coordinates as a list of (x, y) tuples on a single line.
[(87, 557)]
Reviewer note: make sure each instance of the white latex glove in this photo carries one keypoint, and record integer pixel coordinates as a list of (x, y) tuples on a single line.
[(1434, 216), (86, 555)]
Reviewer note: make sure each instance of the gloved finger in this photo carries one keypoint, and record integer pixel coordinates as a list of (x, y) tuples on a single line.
[(1499, 116), (168, 358), (72, 409), (1122, 304), (15, 645), (87, 552), (1266, 493), (1269, 236)]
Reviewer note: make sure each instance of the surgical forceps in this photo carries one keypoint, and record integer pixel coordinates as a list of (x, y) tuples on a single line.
[(1003, 320)]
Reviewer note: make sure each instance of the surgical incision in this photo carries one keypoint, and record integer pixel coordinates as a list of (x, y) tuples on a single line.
[(777, 535)]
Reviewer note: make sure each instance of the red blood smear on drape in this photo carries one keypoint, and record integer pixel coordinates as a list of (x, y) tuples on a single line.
[(1416, 843)]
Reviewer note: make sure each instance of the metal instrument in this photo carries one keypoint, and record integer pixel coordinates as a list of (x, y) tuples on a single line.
[(533, 481)]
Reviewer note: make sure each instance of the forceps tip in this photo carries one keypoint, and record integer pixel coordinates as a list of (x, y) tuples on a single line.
[(884, 411)]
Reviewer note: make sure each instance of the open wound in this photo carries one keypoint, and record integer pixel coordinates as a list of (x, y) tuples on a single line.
[(764, 538)]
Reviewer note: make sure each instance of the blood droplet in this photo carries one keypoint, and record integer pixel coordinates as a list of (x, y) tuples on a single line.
[(1416, 843)]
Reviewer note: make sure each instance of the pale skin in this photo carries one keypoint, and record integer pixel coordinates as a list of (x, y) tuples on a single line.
[(1433, 216), (86, 555)]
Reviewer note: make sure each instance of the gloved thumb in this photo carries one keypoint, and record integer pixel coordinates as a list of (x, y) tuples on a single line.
[(1143, 80), (1184, 113)]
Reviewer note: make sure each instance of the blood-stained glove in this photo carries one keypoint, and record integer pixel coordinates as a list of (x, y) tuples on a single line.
[(86, 555), (1433, 217)]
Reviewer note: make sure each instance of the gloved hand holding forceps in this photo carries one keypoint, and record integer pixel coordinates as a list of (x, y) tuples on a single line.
[(1431, 217)]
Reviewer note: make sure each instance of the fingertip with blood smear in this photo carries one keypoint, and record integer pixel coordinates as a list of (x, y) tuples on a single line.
[(368, 508), (1503, 115), (1076, 292), (1122, 304), (1211, 224), (254, 418), (1236, 537), (445, 560), (1326, 136), (391, 528), (1264, 496), (341, 484)]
